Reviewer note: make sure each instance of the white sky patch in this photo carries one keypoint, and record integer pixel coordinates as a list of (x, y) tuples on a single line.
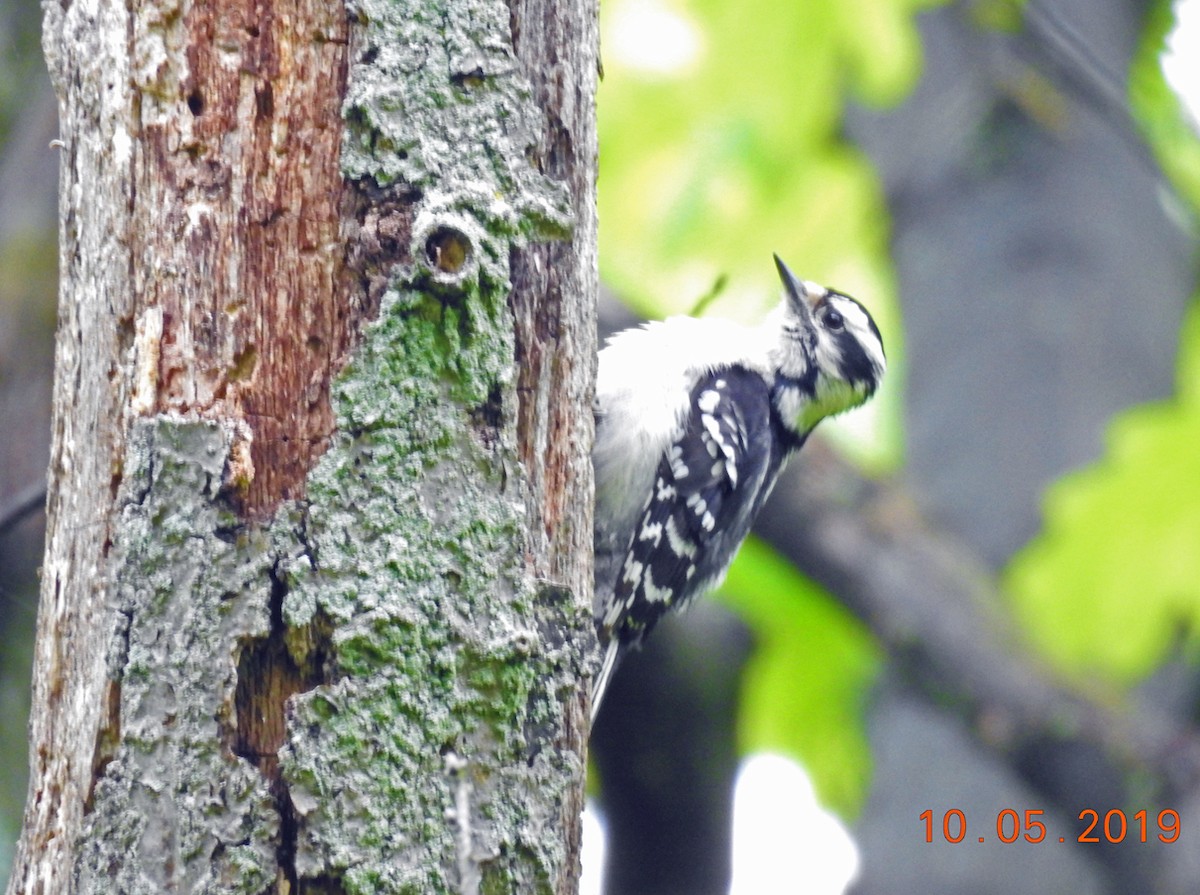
[(649, 36), (1181, 59), (592, 853), (778, 829)]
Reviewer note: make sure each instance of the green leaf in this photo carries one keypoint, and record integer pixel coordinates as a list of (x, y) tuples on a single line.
[(805, 685), (1112, 585)]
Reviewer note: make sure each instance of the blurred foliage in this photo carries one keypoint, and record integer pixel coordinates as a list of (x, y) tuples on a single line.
[(28, 277), (804, 686), (1111, 587), (1158, 110), (720, 143), (998, 15), (20, 58)]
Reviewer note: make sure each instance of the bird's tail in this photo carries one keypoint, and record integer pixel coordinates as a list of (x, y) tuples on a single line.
[(611, 654)]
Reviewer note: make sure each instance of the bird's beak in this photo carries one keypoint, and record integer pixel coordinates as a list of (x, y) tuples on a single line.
[(800, 295)]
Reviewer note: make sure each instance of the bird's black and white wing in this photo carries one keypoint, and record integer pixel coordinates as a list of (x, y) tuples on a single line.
[(708, 486)]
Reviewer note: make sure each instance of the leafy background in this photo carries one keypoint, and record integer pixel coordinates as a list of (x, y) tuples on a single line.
[(732, 156), (737, 150)]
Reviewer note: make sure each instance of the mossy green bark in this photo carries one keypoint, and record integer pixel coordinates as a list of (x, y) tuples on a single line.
[(427, 759), (451, 661)]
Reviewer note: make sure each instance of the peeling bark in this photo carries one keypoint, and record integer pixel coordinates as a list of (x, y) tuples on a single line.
[(315, 604), (236, 222)]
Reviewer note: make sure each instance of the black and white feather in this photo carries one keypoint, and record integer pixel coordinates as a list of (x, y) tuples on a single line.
[(694, 420)]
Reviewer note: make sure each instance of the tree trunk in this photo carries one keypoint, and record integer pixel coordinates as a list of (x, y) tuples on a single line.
[(315, 602)]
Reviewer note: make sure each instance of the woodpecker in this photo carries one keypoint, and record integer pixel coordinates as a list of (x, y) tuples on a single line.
[(695, 418)]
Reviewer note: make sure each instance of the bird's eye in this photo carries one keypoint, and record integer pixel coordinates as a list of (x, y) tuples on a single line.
[(833, 320)]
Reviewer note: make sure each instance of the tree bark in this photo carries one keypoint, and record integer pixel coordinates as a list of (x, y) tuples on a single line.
[(315, 604)]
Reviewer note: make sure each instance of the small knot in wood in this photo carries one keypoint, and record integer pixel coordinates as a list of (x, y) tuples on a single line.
[(448, 251)]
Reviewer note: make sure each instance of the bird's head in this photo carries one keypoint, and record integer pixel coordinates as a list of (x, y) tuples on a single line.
[(829, 357)]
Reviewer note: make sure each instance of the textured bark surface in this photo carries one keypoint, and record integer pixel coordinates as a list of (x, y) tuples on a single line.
[(556, 337), (556, 347), (237, 213), (306, 622)]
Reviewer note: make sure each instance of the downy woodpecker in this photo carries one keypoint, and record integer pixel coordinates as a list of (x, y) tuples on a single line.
[(694, 421)]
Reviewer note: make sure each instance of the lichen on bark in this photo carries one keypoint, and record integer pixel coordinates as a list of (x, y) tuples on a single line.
[(444, 676), (436, 100), (362, 689), (415, 534), (186, 576)]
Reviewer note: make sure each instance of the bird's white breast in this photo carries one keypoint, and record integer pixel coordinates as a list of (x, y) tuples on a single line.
[(643, 387)]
